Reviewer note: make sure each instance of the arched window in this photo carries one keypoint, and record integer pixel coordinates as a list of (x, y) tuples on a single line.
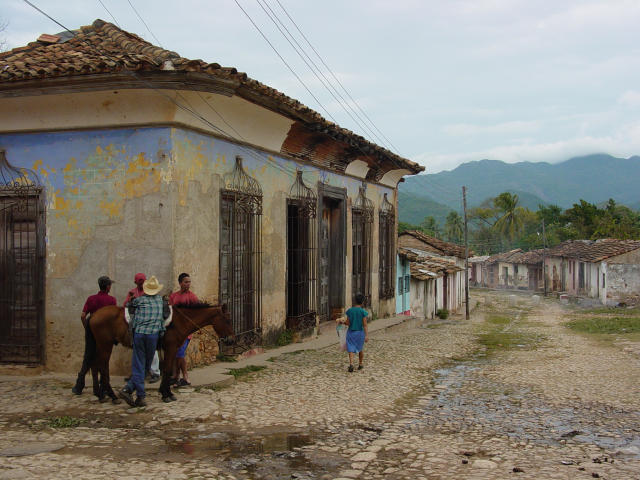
[(302, 278), (386, 236), (361, 239), (240, 252), (22, 264)]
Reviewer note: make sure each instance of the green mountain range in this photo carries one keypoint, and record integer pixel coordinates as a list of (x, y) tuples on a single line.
[(594, 178)]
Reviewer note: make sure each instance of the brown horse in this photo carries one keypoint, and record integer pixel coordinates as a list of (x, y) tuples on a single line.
[(108, 327)]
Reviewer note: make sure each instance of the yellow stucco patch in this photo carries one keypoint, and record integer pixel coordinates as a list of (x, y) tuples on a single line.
[(113, 209)]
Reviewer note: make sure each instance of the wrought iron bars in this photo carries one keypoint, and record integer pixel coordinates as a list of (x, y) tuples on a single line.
[(241, 252), (361, 235), (22, 264), (302, 277), (386, 236)]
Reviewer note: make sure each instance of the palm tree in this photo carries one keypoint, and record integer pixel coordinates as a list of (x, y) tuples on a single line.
[(510, 222), (454, 227), (430, 226)]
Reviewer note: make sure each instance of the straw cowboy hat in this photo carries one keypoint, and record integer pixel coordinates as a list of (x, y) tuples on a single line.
[(151, 286)]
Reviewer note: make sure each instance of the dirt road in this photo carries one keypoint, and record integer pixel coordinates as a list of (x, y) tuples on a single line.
[(512, 393)]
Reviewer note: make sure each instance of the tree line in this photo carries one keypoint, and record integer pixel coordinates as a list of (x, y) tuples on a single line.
[(501, 224)]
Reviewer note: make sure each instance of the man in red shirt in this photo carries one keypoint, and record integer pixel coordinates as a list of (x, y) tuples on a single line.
[(91, 306), (137, 291), (184, 296)]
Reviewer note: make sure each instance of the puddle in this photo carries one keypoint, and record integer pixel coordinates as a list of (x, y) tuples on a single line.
[(465, 401), (237, 446)]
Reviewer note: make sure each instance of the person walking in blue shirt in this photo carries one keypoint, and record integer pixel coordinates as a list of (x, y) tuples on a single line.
[(358, 332), (147, 324)]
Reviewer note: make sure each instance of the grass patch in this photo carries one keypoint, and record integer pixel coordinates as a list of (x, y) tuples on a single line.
[(619, 312), (500, 340), (499, 319), (241, 372), (221, 357), (605, 325), (65, 422)]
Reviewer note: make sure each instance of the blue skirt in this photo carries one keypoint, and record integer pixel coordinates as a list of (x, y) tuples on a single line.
[(355, 340)]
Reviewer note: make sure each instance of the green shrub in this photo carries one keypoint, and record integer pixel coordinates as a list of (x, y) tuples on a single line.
[(285, 338), (442, 313)]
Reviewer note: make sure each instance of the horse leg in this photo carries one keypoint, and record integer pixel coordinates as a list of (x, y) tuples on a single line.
[(170, 350), (87, 359), (104, 355), (96, 380)]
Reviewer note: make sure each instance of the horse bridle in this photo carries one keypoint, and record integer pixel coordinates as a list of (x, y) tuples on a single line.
[(199, 328)]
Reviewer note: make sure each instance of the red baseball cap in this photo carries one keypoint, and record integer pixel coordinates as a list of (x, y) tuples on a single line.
[(140, 276)]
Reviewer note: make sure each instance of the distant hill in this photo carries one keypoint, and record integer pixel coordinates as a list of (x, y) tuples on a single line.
[(594, 178), (413, 207)]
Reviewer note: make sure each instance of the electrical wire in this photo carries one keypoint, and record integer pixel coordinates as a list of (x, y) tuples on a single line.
[(335, 77), (145, 23), (314, 68), (111, 14)]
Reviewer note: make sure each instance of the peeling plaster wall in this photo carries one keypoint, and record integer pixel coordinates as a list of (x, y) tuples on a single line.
[(121, 201), (107, 214)]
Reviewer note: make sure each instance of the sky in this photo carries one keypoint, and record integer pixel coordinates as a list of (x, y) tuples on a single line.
[(444, 82)]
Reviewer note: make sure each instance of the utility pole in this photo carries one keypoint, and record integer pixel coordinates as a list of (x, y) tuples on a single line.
[(466, 254), (544, 259)]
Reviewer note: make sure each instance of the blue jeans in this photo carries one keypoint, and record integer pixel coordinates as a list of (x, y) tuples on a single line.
[(144, 348)]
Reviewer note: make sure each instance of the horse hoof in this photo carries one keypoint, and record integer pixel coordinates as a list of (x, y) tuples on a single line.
[(76, 391), (166, 399), (173, 397), (116, 401), (103, 399)]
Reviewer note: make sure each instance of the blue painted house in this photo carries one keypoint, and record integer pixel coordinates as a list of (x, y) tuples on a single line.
[(121, 157)]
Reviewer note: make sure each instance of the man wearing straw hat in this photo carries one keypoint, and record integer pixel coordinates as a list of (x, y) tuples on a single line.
[(147, 324)]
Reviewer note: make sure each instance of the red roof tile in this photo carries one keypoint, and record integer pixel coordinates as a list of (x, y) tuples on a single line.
[(447, 248), (593, 250), (103, 48)]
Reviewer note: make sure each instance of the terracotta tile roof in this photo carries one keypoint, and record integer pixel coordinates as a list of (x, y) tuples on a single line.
[(103, 48), (447, 248), (504, 256), (422, 262), (593, 250)]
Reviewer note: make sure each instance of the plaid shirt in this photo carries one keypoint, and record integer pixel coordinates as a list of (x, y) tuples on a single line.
[(148, 318)]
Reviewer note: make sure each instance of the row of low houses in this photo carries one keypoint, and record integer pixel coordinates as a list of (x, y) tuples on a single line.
[(119, 156), (607, 270), (431, 275)]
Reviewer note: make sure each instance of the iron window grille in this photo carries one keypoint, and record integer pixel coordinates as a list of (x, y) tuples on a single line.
[(387, 221), (302, 272), (361, 234), (22, 265), (241, 253)]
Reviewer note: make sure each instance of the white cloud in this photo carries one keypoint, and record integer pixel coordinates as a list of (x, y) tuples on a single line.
[(630, 98), (624, 143), (506, 128)]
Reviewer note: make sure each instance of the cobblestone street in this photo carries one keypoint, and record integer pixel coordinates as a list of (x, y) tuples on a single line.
[(510, 394)]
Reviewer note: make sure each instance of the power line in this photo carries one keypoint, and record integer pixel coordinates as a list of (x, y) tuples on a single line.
[(335, 77), (145, 23), (111, 14), (285, 62), (314, 67)]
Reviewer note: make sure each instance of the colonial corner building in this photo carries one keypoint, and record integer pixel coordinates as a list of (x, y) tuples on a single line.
[(119, 156)]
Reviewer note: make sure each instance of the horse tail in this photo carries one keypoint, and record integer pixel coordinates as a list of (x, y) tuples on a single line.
[(90, 346)]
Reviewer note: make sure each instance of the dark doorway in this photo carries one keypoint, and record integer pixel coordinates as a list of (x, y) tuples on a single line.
[(302, 206), (331, 250), (22, 265), (445, 291)]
